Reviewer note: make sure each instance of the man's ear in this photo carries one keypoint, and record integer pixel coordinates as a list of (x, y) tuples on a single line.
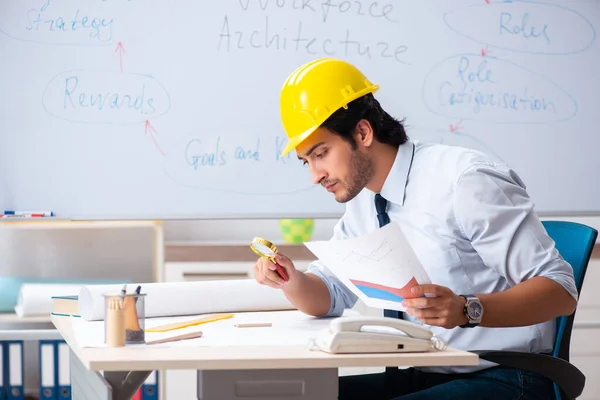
[(364, 133)]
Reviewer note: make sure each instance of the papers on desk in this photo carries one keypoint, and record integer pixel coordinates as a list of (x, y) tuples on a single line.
[(287, 328), (380, 268), (36, 298)]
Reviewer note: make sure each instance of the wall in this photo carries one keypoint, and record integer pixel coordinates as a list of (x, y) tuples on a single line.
[(240, 231)]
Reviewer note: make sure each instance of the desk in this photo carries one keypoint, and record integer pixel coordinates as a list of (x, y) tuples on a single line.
[(27, 328), (278, 369)]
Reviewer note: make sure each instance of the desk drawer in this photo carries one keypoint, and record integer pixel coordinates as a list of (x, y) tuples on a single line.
[(194, 271)]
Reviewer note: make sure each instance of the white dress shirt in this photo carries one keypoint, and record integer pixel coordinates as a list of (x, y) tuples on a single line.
[(473, 227)]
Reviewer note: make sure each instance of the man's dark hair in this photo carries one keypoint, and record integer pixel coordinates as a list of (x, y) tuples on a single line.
[(386, 128)]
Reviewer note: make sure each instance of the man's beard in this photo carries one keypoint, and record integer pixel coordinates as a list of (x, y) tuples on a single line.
[(360, 173)]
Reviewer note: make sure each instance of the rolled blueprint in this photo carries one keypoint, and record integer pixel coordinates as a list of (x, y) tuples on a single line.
[(168, 299), (36, 298)]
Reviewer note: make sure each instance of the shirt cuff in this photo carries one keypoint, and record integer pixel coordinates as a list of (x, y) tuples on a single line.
[(337, 306)]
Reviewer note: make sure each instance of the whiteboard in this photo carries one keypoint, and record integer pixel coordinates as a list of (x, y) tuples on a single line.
[(169, 109)]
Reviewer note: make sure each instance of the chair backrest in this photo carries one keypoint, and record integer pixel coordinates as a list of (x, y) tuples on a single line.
[(574, 242)]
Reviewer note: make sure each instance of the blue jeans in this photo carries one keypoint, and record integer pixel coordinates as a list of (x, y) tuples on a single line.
[(495, 383)]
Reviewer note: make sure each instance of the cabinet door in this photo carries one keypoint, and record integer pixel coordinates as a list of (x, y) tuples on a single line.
[(585, 349)]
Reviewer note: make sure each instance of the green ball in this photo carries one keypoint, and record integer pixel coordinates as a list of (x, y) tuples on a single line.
[(295, 230)]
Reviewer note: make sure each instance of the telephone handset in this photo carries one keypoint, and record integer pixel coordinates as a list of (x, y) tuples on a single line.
[(346, 335)]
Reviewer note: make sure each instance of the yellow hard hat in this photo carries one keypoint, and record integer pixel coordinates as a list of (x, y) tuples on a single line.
[(316, 90)]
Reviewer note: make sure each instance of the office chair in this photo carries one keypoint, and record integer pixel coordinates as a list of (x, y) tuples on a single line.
[(574, 242)]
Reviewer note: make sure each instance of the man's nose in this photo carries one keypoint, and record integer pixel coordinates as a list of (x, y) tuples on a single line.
[(317, 175)]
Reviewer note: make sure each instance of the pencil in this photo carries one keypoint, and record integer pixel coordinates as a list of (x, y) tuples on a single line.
[(254, 325), (191, 335)]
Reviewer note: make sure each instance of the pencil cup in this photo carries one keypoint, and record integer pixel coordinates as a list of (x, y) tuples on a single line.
[(133, 316)]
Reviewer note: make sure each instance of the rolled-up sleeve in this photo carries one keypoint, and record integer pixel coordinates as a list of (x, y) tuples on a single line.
[(341, 297), (496, 215)]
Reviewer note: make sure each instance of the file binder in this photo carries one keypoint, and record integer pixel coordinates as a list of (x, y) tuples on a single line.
[(47, 353), (63, 367), (150, 387), (13, 382), (2, 371)]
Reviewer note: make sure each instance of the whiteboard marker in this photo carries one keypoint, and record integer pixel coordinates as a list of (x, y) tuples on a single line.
[(31, 213)]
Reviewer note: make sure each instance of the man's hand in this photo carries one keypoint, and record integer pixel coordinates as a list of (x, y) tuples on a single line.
[(445, 309), (265, 272)]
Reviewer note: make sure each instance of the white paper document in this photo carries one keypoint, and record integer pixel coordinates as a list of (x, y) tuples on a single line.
[(286, 328), (380, 268)]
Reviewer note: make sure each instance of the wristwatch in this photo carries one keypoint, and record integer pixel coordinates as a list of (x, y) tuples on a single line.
[(473, 310)]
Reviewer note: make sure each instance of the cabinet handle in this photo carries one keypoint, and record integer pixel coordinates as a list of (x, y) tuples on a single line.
[(220, 274)]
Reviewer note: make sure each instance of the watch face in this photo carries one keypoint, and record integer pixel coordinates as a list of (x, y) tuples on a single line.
[(475, 310)]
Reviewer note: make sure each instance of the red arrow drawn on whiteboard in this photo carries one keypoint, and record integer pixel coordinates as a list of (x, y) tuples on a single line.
[(455, 127), (151, 131), (484, 51), (121, 50), (488, 1)]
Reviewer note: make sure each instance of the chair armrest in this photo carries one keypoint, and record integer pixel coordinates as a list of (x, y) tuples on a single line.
[(567, 376)]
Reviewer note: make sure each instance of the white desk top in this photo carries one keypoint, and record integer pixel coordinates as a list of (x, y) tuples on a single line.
[(12, 318), (10, 321), (26, 328), (243, 357)]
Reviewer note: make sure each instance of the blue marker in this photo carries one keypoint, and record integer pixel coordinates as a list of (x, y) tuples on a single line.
[(30, 213)]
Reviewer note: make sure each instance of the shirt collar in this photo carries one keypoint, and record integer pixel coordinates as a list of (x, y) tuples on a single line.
[(395, 183)]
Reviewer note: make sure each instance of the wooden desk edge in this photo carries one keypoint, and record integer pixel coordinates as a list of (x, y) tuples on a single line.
[(63, 325), (239, 357)]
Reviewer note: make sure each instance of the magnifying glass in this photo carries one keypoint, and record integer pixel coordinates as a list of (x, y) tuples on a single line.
[(268, 250)]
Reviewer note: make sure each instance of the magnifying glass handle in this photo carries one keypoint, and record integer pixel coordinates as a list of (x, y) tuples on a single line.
[(281, 271)]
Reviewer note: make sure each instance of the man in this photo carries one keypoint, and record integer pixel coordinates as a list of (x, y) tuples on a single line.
[(499, 282)]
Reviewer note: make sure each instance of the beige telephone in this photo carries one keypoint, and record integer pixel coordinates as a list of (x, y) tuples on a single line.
[(346, 335)]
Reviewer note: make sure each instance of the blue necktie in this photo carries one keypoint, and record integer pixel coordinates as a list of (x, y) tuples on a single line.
[(381, 207), (384, 219)]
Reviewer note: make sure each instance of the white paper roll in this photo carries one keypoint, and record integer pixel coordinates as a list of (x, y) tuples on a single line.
[(36, 298), (168, 299)]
